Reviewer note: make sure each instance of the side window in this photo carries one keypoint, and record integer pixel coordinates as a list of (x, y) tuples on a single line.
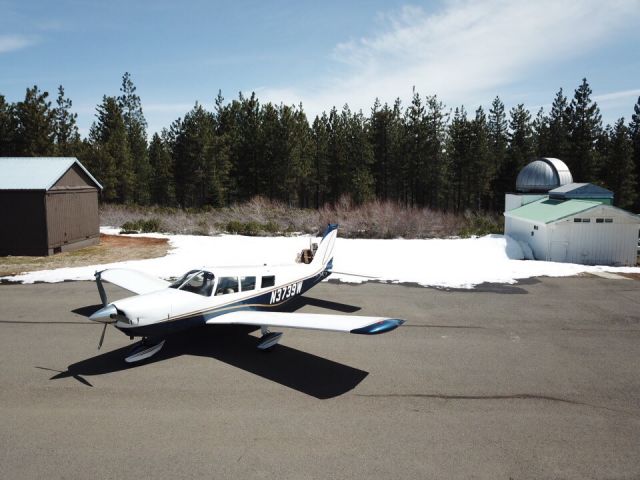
[(248, 283), (227, 285), (268, 281)]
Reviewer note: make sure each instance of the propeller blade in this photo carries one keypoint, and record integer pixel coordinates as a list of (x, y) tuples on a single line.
[(104, 330)]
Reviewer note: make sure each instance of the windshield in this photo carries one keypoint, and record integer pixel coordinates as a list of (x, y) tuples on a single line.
[(195, 281)]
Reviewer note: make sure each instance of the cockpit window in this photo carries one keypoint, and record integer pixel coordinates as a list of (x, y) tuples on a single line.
[(227, 285), (195, 281)]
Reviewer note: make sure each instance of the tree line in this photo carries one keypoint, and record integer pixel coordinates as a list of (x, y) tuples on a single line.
[(421, 154)]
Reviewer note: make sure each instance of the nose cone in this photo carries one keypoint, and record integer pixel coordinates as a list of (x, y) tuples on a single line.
[(104, 315)]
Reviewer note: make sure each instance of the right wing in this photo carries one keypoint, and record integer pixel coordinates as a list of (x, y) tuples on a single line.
[(313, 321)]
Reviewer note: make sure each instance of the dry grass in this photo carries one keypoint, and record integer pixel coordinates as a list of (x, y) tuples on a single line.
[(110, 249), (262, 217)]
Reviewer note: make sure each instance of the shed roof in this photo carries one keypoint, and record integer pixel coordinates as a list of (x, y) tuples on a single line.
[(36, 173), (581, 190), (549, 210)]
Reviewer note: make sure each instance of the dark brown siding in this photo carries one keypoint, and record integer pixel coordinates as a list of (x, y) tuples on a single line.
[(72, 215), (23, 229), (74, 177)]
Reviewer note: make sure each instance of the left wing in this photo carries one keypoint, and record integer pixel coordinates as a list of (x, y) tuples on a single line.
[(313, 321)]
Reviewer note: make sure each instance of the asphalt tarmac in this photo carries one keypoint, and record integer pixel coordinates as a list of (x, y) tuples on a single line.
[(535, 380)]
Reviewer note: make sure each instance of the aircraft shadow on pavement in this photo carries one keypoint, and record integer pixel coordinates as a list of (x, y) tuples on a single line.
[(301, 371)]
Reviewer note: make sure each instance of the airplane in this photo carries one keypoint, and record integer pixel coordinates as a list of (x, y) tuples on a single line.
[(226, 296)]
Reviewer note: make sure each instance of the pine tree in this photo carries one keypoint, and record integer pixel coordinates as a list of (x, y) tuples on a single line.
[(481, 165), (136, 126), (436, 159), (162, 182), (416, 139), (620, 173), (67, 138), (7, 128), (320, 159), (301, 152), (585, 124), (273, 151), (108, 136), (498, 141), (34, 130), (458, 151), (541, 134), (227, 135), (634, 128), (559, 123), (200, 160), (338, 175), (249, 169), (359, 158), (520, 150), (385, 137)]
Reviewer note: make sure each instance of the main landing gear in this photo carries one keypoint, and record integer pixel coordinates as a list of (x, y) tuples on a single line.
[(269, 339)]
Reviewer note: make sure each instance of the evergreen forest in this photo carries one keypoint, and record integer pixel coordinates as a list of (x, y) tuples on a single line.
[(423, 154)]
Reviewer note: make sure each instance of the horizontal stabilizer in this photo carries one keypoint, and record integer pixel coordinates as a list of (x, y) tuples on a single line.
[(312, 321), (132, 280)]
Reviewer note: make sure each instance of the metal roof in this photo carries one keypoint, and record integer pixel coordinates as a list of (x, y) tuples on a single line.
[(36, 173), (542, 175), (548, 210), (581, 190)]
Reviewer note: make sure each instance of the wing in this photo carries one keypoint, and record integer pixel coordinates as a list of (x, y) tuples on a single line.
[(313, 321), (132, 280)]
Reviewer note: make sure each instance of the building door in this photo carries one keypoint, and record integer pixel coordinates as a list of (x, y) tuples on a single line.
[(558, 251)]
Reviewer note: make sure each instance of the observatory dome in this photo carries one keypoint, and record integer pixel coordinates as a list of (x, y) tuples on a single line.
[(542, 175)]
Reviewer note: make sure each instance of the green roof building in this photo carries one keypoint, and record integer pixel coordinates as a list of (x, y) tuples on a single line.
[(575, 223)]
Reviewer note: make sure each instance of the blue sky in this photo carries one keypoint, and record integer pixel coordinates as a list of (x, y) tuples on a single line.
[(321, 53)]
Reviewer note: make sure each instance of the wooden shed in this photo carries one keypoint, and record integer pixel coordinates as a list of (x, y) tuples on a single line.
[(47, 206)]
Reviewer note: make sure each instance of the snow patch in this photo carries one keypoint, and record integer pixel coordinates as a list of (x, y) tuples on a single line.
[(451, 263)]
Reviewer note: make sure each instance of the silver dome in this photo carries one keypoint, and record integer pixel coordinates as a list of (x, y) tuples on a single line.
[(542, 175)]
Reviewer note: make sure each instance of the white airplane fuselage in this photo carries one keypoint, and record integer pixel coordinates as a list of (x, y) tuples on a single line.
[(173, 309)]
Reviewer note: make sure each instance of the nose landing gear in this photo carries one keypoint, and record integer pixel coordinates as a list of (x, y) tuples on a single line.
[(144, 349)]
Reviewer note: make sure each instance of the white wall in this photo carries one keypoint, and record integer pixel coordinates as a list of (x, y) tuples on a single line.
[(522, 230), (595, 243)]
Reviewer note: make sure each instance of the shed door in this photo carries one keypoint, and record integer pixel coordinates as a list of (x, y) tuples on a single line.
[(558, 251)]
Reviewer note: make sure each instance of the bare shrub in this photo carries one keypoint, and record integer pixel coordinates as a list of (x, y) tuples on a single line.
[(260, 216)]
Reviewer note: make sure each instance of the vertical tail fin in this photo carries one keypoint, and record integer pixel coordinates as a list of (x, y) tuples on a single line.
[(324, 255)]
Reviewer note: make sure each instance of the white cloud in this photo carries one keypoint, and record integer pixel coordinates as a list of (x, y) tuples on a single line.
[(462, 52), (625, 97), (10, 43), (177, 108)]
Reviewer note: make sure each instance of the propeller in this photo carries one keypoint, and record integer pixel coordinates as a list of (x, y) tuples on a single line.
[(104, 330), (105, 315)]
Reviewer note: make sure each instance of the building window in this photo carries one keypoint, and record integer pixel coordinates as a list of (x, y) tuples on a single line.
[(532, 234), (608, 220), (599, 220), (577, 220), (535, 227), (586, 220)]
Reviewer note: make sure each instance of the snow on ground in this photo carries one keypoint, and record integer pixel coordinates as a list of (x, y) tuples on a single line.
[(452, 263)]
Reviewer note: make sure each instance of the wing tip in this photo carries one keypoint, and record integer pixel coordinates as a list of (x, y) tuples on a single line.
[(383, 326)]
